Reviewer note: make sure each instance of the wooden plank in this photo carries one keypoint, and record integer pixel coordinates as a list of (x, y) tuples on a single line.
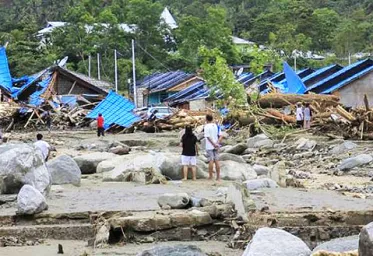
[(28, 121), (72, 88)]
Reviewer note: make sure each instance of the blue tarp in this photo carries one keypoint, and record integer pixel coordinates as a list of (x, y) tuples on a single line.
[(294, 83), (116, 110), (5, 77)]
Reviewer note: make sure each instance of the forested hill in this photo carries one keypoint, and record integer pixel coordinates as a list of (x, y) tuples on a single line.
[(322, 26)]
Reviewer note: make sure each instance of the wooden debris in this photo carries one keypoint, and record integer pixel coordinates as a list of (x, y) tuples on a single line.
[(278, 100)]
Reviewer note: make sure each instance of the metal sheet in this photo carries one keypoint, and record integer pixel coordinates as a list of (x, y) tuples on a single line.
[(115, 110)]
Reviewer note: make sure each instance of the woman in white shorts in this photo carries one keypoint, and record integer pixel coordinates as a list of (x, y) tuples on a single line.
[(189, 154)]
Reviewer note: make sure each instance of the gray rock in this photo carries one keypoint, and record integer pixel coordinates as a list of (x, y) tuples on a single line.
[(355, 162), (249, 151), (343, 148), (64, 170), (88, 163), (345, 244), (224, 149), (260, 183), (30, 201), (252, 142), (120, 150), (175, 201), (236, 171), (261, 170), (279, 174), (237, 149), (240, 197), (305, 144), (131, 164), (366, 240), (170, 166), (264, 144), (276, 242), (178, 250), (231, 157), (22, 164)]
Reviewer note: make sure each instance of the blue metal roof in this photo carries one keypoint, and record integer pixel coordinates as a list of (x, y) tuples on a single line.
[(31, 80), (187, 91), (164, 81), (42, 86), (5, 77), (342, 77), (116, 110), (293, 81), (320, 73)]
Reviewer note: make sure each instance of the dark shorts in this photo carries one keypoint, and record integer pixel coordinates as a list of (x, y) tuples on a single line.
[(213, 155)]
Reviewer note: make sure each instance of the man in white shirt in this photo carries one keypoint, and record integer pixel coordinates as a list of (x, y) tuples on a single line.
[(212, 146), (43, 146), (299, 115)]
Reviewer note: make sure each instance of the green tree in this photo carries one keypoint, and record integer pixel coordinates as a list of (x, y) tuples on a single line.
[(219, 76)]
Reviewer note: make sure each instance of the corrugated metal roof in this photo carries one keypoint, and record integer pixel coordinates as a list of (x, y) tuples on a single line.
[(116, 110), (5, 77), (164, 81), (42, 86), (294, 83), (321, 74), (187, 91), (342, 77)]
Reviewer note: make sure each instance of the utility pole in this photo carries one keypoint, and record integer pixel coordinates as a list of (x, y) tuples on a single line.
[(98, 67), (89, 65), (134, 73), (116, 71)]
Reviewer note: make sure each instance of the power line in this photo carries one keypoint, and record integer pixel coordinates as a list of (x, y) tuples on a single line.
[(154, 58)]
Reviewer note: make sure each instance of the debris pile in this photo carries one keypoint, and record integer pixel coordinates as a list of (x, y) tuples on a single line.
[(328, 115), (179, 119)]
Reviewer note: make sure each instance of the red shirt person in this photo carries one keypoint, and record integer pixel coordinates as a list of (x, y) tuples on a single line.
[(100, 126)]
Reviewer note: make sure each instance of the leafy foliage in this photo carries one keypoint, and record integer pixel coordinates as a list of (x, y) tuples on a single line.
[(342, 27)]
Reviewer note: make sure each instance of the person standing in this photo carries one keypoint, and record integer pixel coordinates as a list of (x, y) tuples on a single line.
[(299, 115), (43, 146), (307, 116), (100, 126), (189, 154), (212, 146)]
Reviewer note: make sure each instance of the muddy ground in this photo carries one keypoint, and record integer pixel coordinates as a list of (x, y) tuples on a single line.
[(95, 195)]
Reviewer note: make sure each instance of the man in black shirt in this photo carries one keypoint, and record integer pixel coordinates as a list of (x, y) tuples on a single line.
[(189, 154)]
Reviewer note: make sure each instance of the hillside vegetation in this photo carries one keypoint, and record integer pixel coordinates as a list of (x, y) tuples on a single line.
[(342, 27)]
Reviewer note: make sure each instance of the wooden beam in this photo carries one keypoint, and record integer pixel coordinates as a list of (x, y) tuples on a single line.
[(72, 88), (28, 121)]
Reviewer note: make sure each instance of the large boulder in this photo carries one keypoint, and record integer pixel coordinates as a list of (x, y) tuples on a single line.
[(231, 170), (30, 201), (88, 163), (366, 240), (174, 201), (343, 148), (64, 170), (356, 161), (177, 250), (22, 164), (237, 149), (260, 183), (261, 170), (231, 157), (345, 244), (170, 166), (252, 142), (276, 242), (134, 165)]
